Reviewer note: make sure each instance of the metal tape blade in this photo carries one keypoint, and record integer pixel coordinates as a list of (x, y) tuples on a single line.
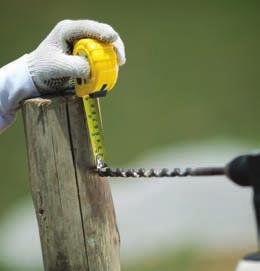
[(94, 121)]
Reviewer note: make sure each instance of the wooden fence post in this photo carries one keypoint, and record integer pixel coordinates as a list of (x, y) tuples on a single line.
[(73, 205)]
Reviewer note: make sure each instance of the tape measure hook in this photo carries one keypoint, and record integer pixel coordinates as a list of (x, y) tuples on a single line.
[(100, 163)]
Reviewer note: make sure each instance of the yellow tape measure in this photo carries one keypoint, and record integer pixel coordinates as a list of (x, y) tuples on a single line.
[(103, 76), (104, 67)]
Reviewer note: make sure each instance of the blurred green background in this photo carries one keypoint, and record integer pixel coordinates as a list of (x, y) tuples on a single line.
[(192, 74)]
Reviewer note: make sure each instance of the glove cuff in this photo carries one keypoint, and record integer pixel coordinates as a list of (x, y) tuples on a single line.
[(16, 84), (6, 121), (30, 60)]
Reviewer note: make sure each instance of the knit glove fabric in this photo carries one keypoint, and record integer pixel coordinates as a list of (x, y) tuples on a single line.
[(52, 65), (49, 68)]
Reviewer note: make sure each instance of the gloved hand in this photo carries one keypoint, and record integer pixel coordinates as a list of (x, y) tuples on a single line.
[(50, 67), (51, 64)]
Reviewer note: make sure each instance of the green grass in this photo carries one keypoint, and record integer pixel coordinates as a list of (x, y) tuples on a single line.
[(186, 260), (182, 260)]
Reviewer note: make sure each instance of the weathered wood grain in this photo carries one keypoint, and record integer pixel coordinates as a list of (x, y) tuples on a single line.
[(73, 205)]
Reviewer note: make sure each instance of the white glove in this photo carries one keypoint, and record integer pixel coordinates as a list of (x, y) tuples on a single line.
[(16, 85), (52, 65)]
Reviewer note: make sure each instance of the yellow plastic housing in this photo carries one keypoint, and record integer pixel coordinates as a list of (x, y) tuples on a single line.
[(104, 67)]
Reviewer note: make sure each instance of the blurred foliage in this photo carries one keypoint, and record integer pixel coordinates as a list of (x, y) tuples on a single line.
[(192, 74), (186, 260), (182, 260)]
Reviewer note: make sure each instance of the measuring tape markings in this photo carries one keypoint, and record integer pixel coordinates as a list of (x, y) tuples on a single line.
[(103, 76), (91, 106)]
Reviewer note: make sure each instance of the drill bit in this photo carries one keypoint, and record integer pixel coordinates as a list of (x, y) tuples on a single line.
[(105, 171)]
